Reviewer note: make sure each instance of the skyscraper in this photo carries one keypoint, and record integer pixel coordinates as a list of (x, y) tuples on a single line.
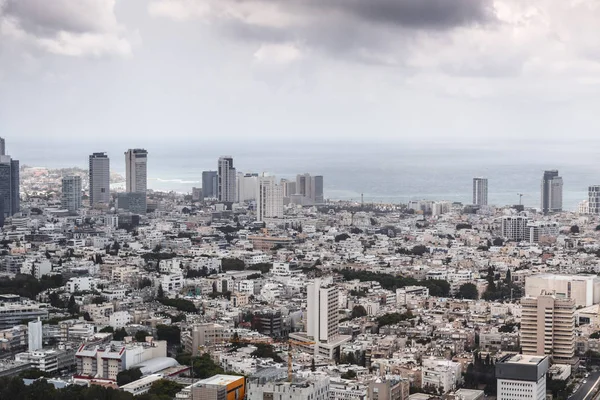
[(136, 174), (480, 191), (548, 327), (10, 201), (226, 180), (594, 199), (34, 335), (317, 189), (246, 187), (210, 184), (71, 193), (552, 188), (322, 312), (99, 170), (514, 227), (269, 202), (303, 183)]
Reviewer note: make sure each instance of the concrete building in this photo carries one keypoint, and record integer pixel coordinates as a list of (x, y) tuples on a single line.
[(226, 180), (220, 387), (551, 192), (391, 388), (480, 191), (594, 199), (136, 174), (547, 328), (197, 194), (49, 360), (71, 193), (9, 187), (584, 289), (133, 202), (107, 360), (99, 170), (246, 187), (12, 314), (514, 227), (269, 202), (34, 335), (271, 383), (521, 377), (202, 336), (210, 184), (141, 386), (310, 189), (541, 231), (441, 374)]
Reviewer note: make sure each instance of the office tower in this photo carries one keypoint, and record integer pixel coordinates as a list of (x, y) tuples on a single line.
[(246, 187), (209, 184), (34, 335), (2, 147), (269, 202), (99, 170), (71, 193), (480, 191), (552, 187), (594, 199), (132, 202), (197, 194), (521, 377), (288, 187), (316, 187), (584, 289), (547, 327), (226, 180), (9, 187), (322, 312), (514, 227), (136, 174), (303, 185)]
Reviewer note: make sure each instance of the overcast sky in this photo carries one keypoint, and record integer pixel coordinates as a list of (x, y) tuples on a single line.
[(190, 71)]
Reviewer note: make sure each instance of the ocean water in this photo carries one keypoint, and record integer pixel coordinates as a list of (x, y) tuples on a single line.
[(383, 172)]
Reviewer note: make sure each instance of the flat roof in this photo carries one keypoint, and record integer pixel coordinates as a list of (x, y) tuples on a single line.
[(222, 380), (560, 277), (524, 359)]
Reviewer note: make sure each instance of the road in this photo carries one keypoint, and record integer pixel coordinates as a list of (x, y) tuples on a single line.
[(588, 389)]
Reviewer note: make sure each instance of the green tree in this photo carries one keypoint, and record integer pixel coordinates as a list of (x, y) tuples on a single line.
[(119, 334), (166, 388), (140, 336), (170, 333), (358, 311), (160, 294), (468, 291), (574, 229), (128, 376), (107, 329)]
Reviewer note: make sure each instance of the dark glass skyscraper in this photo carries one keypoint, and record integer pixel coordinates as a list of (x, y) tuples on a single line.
[(10, 201), (552, 188), (209, 184)]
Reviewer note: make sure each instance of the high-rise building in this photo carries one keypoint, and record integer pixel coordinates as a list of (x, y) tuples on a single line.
[(548, 327), (289, 187), (584, 289), (34, 333), (310, 189), (136, 173), (322, 311), (594, 199), (197, 194), (541, 230), (9, 187), (480, 191), (210, 184), (316, 193), (226, 180), (2, 147), (552, 188), (99, 170), (246, 187), (514, 227), (303, 185), (521, 377), (71, 193), (269, 203)]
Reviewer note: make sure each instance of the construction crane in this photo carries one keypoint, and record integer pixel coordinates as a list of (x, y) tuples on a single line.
[(291, 344)]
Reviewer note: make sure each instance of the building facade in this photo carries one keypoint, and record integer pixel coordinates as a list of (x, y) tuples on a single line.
[(226, 180), (551, 189), (521, 377), (593, 199), (548, 328), (269, 202), (99, 170), (136, 173), (9, 187), (514, 227), (209, 184), (71, 193), (480, 191)]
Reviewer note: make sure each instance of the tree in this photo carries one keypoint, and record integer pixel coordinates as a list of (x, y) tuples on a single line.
[(119, 334), (498, 241), (574, 229), (463, 226), (107, 329), (313, 367), (170, 333), (350, 374), (72, 306), (508, 278), (468, 291), (419, 250), (232, 264), (165, 388), (128, 376), (358, 311), (160, 294), (140, 336), (341, 237)]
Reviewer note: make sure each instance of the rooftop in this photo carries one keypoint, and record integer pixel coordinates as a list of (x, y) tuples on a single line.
[(221, 380), (522, 359)]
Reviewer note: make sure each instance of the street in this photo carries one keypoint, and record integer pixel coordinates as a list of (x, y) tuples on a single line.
[(587, 390)]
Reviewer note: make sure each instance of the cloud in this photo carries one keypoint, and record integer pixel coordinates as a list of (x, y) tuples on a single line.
[(277, 54), (64, 27)]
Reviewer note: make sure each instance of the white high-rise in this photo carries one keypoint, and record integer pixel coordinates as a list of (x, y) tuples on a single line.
[(514, 227), (246, 189), (480, 191), (322, 312), (226, 178), (71, 193), (99, 170), (136, 171), (269, 202), (34, 335)]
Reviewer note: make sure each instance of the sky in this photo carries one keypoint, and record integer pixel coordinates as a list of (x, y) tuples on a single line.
[(93, 74)]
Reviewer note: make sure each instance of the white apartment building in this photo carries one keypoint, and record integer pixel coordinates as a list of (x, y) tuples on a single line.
[(71, 193), (314, 388), (584, 289), (37, 267), (514, 227), (269, 202), (521, 377), (547, 328), (246, 187), (540, 230), (172, 282), (201, 336), (480, 191), (81, 284), (281, 269), (440, 373), (120, 319), (226, 180), (210, 263)]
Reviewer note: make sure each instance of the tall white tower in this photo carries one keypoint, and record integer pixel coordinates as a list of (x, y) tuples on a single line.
[(480, 191), (269, 202), (226, 180), (34, 335), (322, 312)]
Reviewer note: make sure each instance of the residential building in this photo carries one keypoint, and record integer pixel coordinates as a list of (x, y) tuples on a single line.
[(548, 327), (521, 377), (480, 191), (584, 289), (134, 202), (514, 227), (71, 193), (246, 188), (99, 170), (136, 174), (389, 388), (49, 360), (220, 387), (441, 374), (594, 199), (197, 194), (9, 187), (542, 231), (201, 336), (12, 314), (209, 184), (226, 180), (269, 202), (271, 383), (552, 190)]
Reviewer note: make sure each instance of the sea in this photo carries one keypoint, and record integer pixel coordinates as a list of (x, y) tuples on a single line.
[(383, 172)]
